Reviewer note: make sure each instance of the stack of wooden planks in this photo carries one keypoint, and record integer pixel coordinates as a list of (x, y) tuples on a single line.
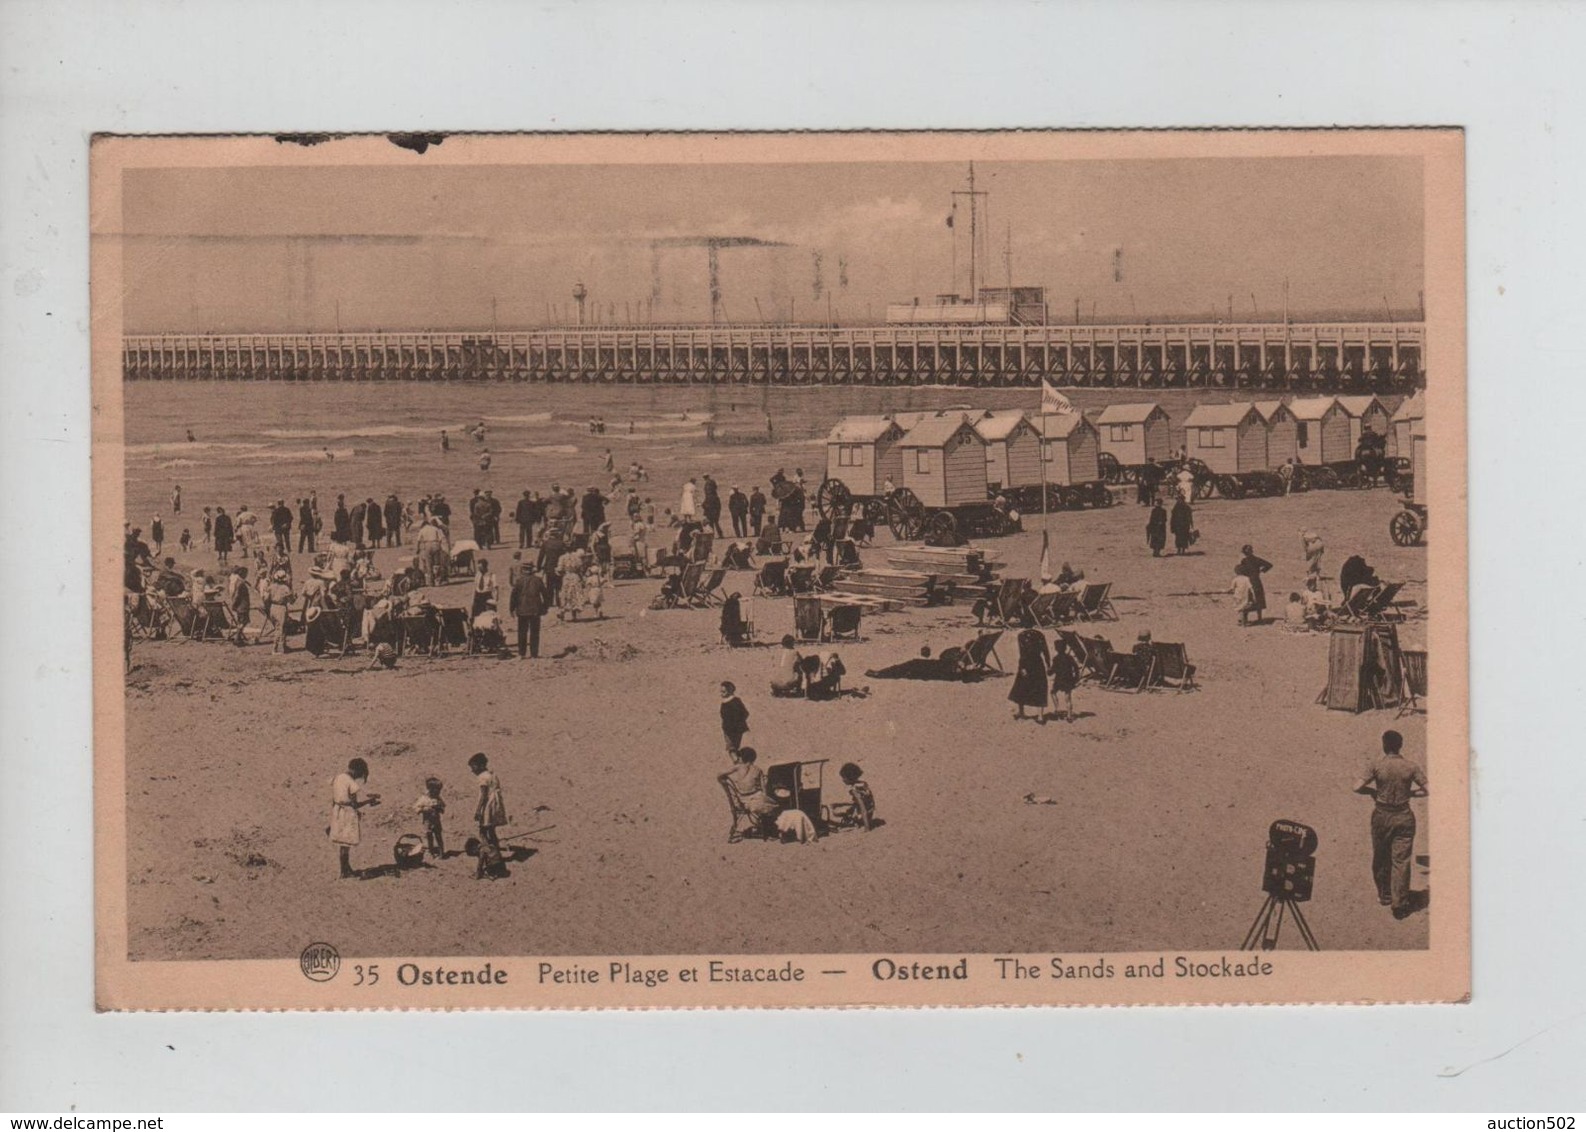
[(959, 570), (906, 587)]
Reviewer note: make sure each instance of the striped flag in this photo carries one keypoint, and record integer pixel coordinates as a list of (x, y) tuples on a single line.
[(1053, 403)]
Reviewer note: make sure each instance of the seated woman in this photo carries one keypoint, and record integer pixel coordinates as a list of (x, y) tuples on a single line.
[(734, 629), (736, 557), (769, 540), (787, 678), (826, 681), (747, 781)]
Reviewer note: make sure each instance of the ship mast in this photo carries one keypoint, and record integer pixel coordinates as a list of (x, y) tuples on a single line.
[(974, 229)]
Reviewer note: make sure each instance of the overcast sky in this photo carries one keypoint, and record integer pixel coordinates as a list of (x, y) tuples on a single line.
[(272, 249)]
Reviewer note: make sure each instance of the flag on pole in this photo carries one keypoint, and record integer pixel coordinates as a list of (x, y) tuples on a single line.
[(1047, 573), (1053, 403)]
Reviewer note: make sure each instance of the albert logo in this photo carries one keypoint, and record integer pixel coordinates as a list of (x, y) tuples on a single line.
[(320, 962)]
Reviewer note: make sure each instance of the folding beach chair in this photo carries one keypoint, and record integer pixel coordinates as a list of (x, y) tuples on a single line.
[(827, 577), (1010, 604), (1354, 606), (847, 554), (771, 581), (1095, 602), (184, 617), (801, 578), (1066, 609), (808, 620), (1098, 653), (842, 622), (1170, 667), (1040, 608), (688, 584), (454, 629), (859, 812), (710, 592), (983, 649), (1413, 678), (700, 549), (1379, 605), (1127, 670)]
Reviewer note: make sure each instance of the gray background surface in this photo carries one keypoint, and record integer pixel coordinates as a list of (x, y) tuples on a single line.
[(1502, 70)]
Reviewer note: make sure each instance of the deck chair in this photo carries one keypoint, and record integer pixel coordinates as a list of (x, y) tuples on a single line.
[(1095, 602), (1413, 678), (1127, 670), (455, 629), (1011, 601), (744, 822), (842, 623), (184, 617), (1098, 653), (801, 578), (847, 553), (688, 584), (808, 619), (771, 581), (1354, 606), (1041, 607), (418, 631), (983, 649), (710, 592), (703, 545), (1379, 604), (827, 578), (1170, 667)]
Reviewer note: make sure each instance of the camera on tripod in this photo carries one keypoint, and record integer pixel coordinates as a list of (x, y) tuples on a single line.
[(1287, 879)]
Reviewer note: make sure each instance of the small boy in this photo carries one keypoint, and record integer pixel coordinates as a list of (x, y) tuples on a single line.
[(430, 807), (186, 541), (734, 718)]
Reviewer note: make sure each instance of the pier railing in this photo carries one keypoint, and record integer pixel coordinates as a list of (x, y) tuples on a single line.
[(1268, 355)]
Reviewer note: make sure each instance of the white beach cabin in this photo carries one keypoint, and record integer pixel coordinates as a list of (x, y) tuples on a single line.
[(1228, 439), (863, 452), (1365, 412), (1282, 432), (1410, 416), (1071, 448), (1322, 431), (1013, 448), (1135, 433), (944, 461)]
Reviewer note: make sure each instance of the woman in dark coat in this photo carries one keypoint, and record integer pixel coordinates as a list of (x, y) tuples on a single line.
[(1183, 524), (1252, 567), (1156, 530), (224, 534), (341, 522), (1029, 683)]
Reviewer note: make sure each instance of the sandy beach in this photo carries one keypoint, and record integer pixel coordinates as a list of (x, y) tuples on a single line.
[(1156, 805)]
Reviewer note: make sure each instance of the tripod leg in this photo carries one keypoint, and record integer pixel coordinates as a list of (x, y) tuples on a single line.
[(1258, 927), (1269, 941), (1305, 929)]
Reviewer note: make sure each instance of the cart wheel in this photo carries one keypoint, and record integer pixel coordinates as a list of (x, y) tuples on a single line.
[(1107, 466), (875, 511), (833, 498), (1204, 485), (1229, 487), (1405, 528), (901, 522), (942, 529)]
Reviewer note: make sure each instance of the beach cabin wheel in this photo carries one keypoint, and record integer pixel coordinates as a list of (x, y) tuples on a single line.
[(1107, 464), (833, 498), (1405, 528), (876, 511), (942, 529), (1228, 487)]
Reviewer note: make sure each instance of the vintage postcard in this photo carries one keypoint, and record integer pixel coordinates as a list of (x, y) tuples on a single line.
[(780, 570)]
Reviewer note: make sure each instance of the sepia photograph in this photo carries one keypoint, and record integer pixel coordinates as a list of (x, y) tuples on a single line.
[(780, 570)]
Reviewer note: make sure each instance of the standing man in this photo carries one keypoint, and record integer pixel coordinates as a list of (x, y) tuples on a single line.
[(492, 518), (757, 508), (176, 499), (523, 516), (1391, 780), (375, 517), (281, 526), (393, 520), (305, 527), (738, 508), (529, 602), (592, 508), (713, 505)]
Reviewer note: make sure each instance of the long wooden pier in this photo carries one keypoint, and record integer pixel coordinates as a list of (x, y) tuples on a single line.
[(1322, 356)]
